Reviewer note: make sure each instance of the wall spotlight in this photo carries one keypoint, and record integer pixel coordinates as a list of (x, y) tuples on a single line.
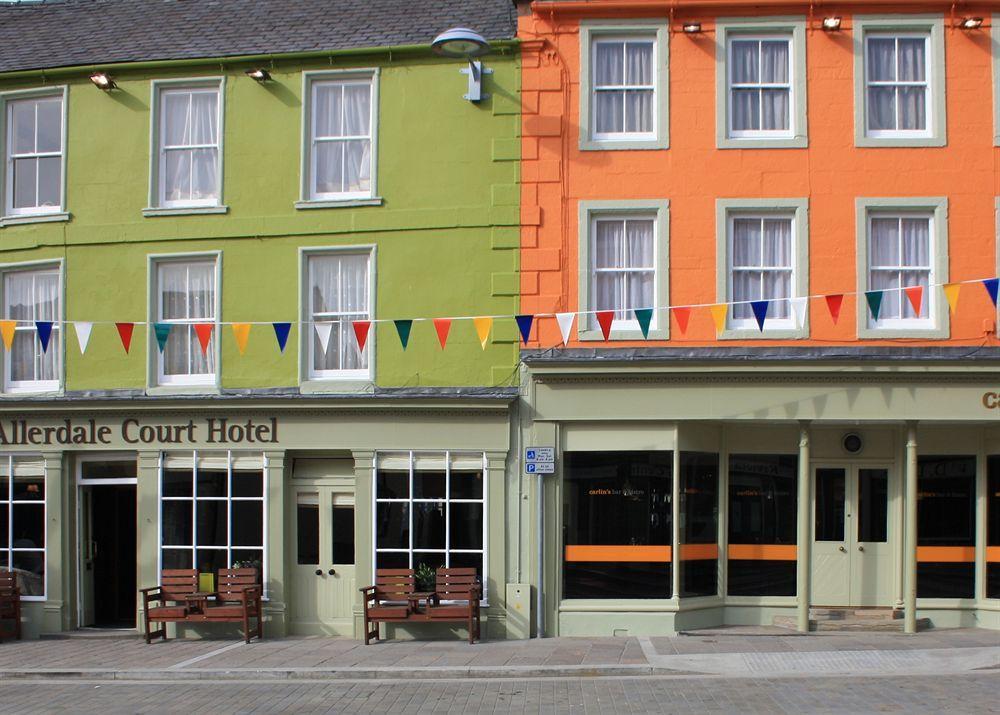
[(691, 28), (102, 80), (259, 74), (971, 23), (831, 24)]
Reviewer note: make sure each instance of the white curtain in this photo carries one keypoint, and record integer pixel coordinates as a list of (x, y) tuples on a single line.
[(897, 60), (624, 266), (31, 296), (762, 265), (187, 296), (190, 120), (620, 64), (342, 164), (746, 254), (900, 258), (339, 290), (777, 255), (763, 63)]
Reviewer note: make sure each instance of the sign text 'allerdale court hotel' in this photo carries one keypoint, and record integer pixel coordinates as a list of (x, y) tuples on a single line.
[(210, 430)]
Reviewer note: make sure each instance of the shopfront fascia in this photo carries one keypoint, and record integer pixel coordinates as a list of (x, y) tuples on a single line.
[(689, 494), (93, 488)]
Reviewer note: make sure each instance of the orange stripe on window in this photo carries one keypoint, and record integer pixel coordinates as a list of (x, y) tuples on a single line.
[(993, 554), (699, 552), (579, 552), (946, 554), (763, 552)]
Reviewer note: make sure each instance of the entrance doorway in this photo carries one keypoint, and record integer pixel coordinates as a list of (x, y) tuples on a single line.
[(852, 555)]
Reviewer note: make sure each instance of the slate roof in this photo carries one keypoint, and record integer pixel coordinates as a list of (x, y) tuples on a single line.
[(62, 33)]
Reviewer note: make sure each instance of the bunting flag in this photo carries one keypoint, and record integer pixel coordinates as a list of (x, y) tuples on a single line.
[(7, 331), (719, 316), (241, 333), (565, 321), (483, 327), (442, 326), (162, 333), (759, 308), (915, 294), (281, 331), (44, 330), (204, 333), (604, 319), (644, 316), (524, 325), (833, 303), (682, 315), (990, 284), (800, 306), (874, 298), (403, 328), (323, 331), (83, 335), (361, 328), (125, 334), (951, 291)]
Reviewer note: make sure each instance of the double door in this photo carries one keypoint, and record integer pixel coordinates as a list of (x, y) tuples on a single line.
[(852, 554)]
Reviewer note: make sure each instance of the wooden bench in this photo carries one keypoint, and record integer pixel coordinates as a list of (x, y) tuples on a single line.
[(388, 601), (10, 602), (460, 587), (237, 600), (173, 594)]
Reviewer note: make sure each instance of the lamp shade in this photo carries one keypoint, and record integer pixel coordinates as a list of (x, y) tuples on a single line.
[(460, 42)]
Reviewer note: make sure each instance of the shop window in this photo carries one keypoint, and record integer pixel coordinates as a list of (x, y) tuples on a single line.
[(29, 296), (617, 522), (763, 515), (993, 527), (338, 292), (212, 512), (946, 526), (22, 522), (430, 509), (186, 150), (185, 297), (699, 556)]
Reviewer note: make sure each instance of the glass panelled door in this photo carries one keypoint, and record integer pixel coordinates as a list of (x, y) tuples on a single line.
[(852, 561)]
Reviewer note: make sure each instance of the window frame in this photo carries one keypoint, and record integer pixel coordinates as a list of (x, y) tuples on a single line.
[(589, 213), (156, 380), (592, 32), (9, 501), (798, 210), (792, 28), (308, 199), (937, 324), (158, 206), (56, 340), (927, 25), (9, 215)]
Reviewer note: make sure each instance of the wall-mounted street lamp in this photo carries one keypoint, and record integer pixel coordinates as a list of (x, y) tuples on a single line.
[(691, 28), (971, 23), (259, 74), (831, 24), (466, 44), (102, 80)]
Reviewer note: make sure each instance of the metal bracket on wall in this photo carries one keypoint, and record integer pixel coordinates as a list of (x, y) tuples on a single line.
[(475, 70)]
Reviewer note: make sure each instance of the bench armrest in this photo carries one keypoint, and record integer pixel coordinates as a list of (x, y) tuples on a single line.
[(151, 588)]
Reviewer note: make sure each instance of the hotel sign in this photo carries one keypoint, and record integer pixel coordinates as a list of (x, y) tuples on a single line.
[(209, 430)]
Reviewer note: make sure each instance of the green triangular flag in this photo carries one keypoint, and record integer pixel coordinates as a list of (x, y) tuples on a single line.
[(162, 331), (644, 316), (874, 298), (403, 328)]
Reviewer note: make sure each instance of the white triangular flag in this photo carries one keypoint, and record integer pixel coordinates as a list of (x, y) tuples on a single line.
[(83, 335), (799, 307), (323, 333), (565, 321)]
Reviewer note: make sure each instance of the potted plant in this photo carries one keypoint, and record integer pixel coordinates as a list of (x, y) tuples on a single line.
[(425, 577)]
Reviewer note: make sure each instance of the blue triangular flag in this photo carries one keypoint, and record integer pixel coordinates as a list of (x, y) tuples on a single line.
[(44, 328), (760, 312), (524, 325), (281, 334), (643, 316), (990, 284), (162, 332)]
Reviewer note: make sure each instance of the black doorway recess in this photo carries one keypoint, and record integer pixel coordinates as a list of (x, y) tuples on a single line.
[(114, 534)]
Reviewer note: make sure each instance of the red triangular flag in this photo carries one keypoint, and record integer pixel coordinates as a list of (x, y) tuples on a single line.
[(361, 328), (833, 302), (604, 319), (204, 333), (442, 326), (125, 333), (682, 315), (915, 294)]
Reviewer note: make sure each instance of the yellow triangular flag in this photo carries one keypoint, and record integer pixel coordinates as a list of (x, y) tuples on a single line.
[(241, 331), (719, 316), (7, 331), (483, 326), (951, 291)]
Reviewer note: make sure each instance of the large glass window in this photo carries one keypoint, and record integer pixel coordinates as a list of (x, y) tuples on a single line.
[(763, 517), (899, 257), (338, 293), (699, 515), (431, 509), (624, 267), (188, 153), (617, 521), (212, 511), (34, 161), (340, 139), (762, 267), (898, 84), (185, 298), (993, 527), (624, 90), (22, 522), (30, 296), (946, 526), (760, 86)]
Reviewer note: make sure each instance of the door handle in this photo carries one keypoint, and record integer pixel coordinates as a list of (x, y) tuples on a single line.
[(332, 572), (319, 572), (842, 549), (861, 548)]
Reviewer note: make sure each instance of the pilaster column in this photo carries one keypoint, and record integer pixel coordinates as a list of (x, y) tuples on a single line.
[(803, 549), (675, 519), (910, 529), (58, 554), (278, 538)]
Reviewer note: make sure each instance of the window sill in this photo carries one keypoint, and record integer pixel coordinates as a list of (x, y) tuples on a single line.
[(338, 204), (619, 334), (766, 334), (21, 393), (337, 386), (919, 333), (34, 218), (875, 142), (762, 142), (184, 211), (623, 145), (166, 390)]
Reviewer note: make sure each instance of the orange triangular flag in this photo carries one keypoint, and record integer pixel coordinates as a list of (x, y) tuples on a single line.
[(442, 326), (915, 294), (483, 326), (682, 314), (719, 316), (125, 333), (951, 291), (361, 328), (7, 330), (833, 302), (241, 331), (204, 333)]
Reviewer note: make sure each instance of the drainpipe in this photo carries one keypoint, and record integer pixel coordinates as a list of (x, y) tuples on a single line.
[(804, 543), (539, 598)]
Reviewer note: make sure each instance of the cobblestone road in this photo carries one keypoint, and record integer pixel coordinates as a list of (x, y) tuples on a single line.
[(971, 693)]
